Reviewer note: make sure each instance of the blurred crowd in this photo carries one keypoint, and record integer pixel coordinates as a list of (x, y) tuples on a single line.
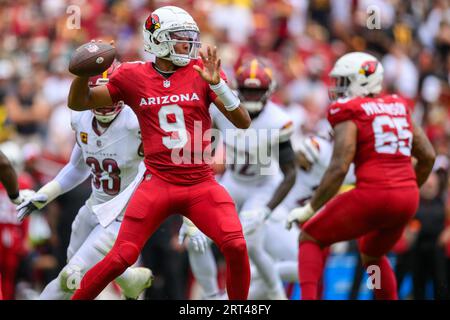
[(301, 39)]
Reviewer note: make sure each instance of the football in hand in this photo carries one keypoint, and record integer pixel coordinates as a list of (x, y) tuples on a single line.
[(91, 59)]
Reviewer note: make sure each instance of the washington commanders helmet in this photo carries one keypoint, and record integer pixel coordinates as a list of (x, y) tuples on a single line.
[(105, 114), (255, 84)]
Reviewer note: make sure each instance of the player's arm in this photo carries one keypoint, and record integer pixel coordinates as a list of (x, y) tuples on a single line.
[(287, 166), (345, 134), (70, 176), (81, 97), (239, 117), (227, 102), (424, 152), (8, 178)]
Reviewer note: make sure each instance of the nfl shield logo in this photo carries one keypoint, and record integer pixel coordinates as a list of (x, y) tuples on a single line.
[(166, 83), (99, 143), (92, 47)]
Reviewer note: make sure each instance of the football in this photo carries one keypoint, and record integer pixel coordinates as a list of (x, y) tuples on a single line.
[(91, 59)]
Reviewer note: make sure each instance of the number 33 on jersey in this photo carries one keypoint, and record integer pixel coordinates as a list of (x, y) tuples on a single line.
[(384, 133), (113, 156)]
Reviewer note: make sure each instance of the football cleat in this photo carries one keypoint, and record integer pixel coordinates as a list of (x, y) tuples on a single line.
[(142, 279)]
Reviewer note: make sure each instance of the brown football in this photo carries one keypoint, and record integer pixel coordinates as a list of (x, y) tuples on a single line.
[(91, 58)]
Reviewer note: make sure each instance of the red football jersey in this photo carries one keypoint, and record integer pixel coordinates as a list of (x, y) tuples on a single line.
[(173, 115), (384, 140)]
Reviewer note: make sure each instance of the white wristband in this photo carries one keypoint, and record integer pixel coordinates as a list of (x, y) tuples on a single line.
[(52, 190), (223, 91)]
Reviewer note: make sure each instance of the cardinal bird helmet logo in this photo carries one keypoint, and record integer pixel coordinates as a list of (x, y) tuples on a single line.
[(152, 23), (368, 68)]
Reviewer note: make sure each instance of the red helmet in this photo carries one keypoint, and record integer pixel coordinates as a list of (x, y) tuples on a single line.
[(255, 84), (105, 114)]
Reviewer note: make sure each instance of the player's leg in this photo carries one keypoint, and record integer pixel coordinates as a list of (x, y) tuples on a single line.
[(262, 260), (2, 262), (85, 221), (203, 266), (400, 207), (213, 211), (8, 271), (285, 249), (204, 269), (134, 280), (1, 292), (376, 263), (147, 209), (259, 289), (347, 216), (99, 242), (265, 264), (373, 249), (5, 285), (11, 249), (238, 191)]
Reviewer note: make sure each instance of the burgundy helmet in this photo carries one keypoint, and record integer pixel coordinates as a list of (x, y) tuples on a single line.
[(105, 114), (255, 84)]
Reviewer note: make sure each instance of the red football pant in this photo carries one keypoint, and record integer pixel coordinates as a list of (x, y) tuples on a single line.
[(207, 204), (376, 217), (11, 253), (1, 294)]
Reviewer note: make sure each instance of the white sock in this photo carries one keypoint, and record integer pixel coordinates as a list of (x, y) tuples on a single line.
[(204, 268), (288, 270), (53, 291)]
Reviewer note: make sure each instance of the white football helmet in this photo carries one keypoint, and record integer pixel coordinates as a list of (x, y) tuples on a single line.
[(168, 26), (357, 74)]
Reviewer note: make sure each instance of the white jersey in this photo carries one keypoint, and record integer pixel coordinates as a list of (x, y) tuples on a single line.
[(112, 156), (306, 182), (252, 153)]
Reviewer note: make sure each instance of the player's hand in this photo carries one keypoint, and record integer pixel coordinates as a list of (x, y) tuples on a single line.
[(23, 195), (211, 66), (251, 220), (300, 214), (31, 203), (194, 235)]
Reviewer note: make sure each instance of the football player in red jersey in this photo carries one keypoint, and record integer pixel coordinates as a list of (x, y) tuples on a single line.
[(13, 234), (378, 135), (171, 98)]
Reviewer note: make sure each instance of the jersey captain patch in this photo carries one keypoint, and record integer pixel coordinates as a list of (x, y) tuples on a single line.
[(84, 137)]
